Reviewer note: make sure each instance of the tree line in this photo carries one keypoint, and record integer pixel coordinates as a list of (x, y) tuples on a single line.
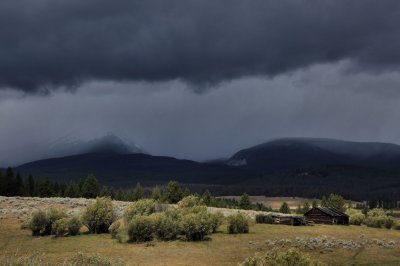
[(12, 184)]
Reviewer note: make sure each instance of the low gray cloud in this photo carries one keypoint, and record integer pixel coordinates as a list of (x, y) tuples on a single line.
[(168, 118), (47, 44)]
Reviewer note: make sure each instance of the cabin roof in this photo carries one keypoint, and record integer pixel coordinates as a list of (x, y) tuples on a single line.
[(330, 211)]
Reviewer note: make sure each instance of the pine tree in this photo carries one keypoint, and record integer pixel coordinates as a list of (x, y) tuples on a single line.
[(31, 186), (72, 190), (90, 187), (206, 197), (334, 201), (156, 193), (105, 192), (19, 185), (173, 192), (299, 210), (186, 192), (284, 208), (10, 188), (45, 189), (314, 204), (306, 207), (244, 202), (138, 192)]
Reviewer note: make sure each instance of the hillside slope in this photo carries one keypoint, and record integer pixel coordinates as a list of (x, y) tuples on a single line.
[(120, 169), (291, 153)]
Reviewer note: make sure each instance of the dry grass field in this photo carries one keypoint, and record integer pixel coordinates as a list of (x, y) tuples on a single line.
[(382, 246), (220, 249)]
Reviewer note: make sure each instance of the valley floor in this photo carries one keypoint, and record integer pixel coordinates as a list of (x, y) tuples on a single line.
[(382, 246)]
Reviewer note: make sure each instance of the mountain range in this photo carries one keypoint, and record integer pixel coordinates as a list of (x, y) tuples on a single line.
[(282, 167)]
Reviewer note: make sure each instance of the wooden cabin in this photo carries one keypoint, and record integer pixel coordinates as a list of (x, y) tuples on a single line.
[(325, 215)]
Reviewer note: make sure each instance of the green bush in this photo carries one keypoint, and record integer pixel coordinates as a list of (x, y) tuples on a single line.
[(216, 220), (264, 219), (356, 218), (379, 221), (53, 215), (389, 222), (194, 209), (174, 213), (74, 225), (396, 226), (190, 201), (377, 212), (195, 226), (140, 229), (38, 222), (140, 207), (378, 218), (114, 228), (238, 224), (291, 257), (60, 227), (166, 227), (99, 216)]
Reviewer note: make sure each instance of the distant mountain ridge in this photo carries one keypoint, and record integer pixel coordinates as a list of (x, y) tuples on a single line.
[(120, 169), (289, 153), (283, 167)]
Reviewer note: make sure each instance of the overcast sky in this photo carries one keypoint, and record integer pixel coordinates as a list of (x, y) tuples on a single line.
[(196, 79)]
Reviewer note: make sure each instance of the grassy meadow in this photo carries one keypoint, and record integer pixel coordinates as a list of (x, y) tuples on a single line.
[(220, 249)]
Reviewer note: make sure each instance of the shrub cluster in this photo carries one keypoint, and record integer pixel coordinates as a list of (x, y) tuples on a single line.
[(264, 219), (190, 201), (141, 223), (238, 224), (379, 222), (378, 218), (140, 229), (166, 227), (140, 207), (195, 226), (356, 217), (375, 218), (99, 216), (54, 222), (281, 258)]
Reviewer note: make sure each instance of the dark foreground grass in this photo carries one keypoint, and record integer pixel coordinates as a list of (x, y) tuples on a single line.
[(220, 249)]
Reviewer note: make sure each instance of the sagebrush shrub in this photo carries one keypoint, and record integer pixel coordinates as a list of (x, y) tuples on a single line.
[(139, 208), (74, 225), (216, 221), (99, 216), (379, 221), (291, 257), (195, 226), (166, 228), (140, 229), (38, 222), (60, 227), (53, 215), (377, 212), (356, 218), (389, 222), (238, 224), (190, 201), (114, 228)]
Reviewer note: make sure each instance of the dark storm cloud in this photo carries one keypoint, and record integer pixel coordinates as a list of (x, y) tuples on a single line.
[(45, 44)]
